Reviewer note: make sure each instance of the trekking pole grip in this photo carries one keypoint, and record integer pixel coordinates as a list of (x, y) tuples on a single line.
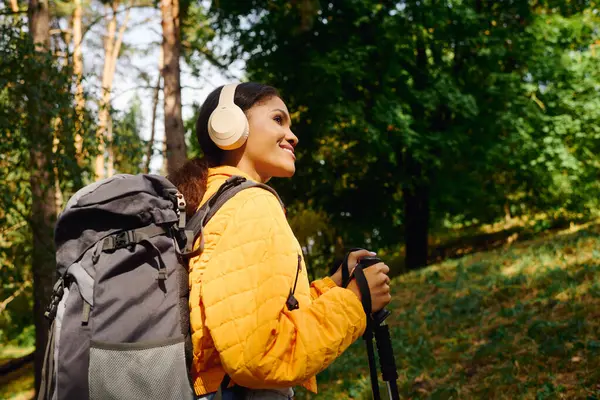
[(378, 316)]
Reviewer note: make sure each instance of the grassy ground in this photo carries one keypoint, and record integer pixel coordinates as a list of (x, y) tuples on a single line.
[(18, 385), (518, 322)]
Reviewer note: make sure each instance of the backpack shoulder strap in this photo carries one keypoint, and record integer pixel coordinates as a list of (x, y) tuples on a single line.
[(230, 188)]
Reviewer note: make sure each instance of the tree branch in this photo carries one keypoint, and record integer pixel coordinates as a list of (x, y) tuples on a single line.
[(10, 12), (101, 17), (134, 88), (14, 227), (13, 296)]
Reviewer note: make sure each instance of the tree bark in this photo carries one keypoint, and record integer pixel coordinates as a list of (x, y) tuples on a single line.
[(154, 110), (416, 189), (416, 216), (110, 155), (43, 206), (174, 130), (112, 47), (78, 70)]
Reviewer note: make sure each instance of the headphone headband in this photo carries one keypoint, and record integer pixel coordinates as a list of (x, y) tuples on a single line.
[(227, 96)]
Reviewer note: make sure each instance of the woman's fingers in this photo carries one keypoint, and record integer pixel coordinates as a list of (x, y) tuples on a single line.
[(355, 256)]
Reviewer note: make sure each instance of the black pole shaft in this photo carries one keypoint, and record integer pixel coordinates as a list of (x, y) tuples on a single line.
[(386, 360), (372, 366)]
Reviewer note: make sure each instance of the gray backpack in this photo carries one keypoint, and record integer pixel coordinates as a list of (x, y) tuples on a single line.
[(119, 310)]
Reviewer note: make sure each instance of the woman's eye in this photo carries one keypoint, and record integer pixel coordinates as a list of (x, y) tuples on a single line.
[(278, 119)]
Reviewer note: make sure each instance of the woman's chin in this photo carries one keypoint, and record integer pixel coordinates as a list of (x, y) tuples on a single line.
[(286, 171)]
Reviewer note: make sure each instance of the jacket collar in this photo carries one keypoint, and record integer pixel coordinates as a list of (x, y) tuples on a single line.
[(223, 172)]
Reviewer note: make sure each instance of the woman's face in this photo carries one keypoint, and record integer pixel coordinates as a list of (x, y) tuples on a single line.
[(269, 150)]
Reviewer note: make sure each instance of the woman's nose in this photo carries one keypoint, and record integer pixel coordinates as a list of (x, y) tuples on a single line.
[(291, 138)]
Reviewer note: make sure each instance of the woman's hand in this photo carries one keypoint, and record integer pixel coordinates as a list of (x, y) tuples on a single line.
[(379, 286), (353, 259)]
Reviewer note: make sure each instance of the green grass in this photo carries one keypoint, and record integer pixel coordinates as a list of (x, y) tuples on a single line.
[(520, 322)]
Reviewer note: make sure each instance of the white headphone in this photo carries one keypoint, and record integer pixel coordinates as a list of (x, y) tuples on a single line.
[(228, 125)]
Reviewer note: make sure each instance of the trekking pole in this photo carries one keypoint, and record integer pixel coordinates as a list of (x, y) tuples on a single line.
[(387, 362), (376, 327)]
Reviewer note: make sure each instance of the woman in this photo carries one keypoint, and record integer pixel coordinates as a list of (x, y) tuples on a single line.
[(239, 284)]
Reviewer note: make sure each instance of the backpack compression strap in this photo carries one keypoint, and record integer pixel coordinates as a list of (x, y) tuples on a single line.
[(230, 188)]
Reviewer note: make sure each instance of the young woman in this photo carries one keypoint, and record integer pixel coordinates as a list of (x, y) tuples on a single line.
[(239, 284)]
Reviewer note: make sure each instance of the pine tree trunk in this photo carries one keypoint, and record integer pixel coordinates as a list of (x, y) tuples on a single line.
[(112, 47), (416, 190), (58, 196), (78, 71), (43, 206), (110, 155), (109, 40), (150, 151), (174, 131), (416, 217)]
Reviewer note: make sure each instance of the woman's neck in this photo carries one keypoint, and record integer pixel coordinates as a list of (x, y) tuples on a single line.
[(248, 168)]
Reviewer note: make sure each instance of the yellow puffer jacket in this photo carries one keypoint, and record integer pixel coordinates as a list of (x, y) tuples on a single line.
[(239, 286)]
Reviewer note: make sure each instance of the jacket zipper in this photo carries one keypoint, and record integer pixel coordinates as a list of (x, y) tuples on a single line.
[(292, 303)]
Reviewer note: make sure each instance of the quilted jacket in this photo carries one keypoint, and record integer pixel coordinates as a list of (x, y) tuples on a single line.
[(239, 286)]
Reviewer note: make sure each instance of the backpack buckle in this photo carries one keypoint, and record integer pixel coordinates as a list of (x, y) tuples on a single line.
[(57, 293), (121, 240)]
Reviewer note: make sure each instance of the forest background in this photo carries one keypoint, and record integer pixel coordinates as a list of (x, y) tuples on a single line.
[(430, 130)]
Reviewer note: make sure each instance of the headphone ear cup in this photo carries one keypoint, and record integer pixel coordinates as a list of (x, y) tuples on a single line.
[(228, 127)]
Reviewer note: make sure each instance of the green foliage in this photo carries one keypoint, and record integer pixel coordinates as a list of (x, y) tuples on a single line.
[(128, 147), (196, 36), (486, 106), (192, 145), (25, 100)]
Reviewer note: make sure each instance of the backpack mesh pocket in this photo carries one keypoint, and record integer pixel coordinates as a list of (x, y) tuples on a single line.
[(142, 370)]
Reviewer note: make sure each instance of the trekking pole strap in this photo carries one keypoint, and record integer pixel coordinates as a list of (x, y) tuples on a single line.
[(365, 293)]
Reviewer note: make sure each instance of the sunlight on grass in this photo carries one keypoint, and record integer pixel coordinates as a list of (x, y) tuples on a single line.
[(9, 351), (18, 385)]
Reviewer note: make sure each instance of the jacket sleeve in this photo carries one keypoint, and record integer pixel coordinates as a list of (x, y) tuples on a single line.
[(320, 286), (245, 286)]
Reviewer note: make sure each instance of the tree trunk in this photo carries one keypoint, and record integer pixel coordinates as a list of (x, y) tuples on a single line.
[(110, 160), (163, 167), (507, 214), (112, 47), (416, 189), (43, 206), (14, 6), (416, 216), (150, 151), (78, 70), (58, 196), (174, 130), (105, 96)]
